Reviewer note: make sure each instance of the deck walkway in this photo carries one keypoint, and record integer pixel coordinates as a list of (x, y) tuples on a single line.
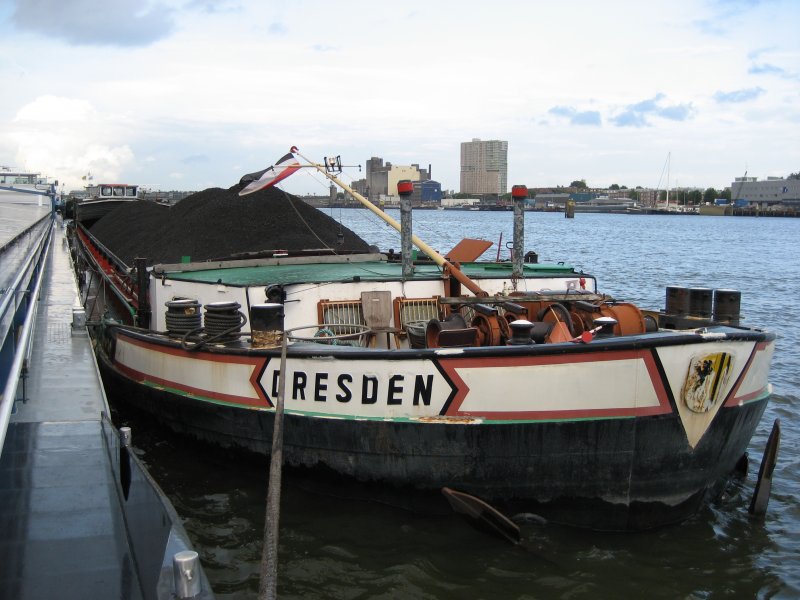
[(64, 527)]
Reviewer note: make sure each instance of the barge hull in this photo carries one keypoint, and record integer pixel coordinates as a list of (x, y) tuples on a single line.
[(617, 474)]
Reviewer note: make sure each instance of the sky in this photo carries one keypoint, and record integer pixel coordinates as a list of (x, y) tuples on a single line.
[(191, 94)]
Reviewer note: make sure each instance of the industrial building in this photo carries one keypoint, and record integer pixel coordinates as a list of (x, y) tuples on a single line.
[(772, 192), (380, 182)]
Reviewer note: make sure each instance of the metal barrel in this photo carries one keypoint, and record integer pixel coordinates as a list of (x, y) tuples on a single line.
[(700, 302), (266, 324), (677, 302), (727, 305)]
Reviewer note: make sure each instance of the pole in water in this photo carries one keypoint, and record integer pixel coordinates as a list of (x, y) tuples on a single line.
[(268, 586), (758, 505), (519, 193), (405, 188)]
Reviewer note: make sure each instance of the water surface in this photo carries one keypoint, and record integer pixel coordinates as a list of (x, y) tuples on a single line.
[(340, 547)]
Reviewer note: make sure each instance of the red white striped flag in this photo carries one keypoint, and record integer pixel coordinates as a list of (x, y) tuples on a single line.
[(253, 182)]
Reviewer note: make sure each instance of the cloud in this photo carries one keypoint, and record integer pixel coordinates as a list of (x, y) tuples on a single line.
[(68, 136), (726, 15), (96, 22), (576, 117), (637, 115), (735, 96), (55, 109), (277, 29), (215, 7), (766, 61), (195, 159), (768, 69)]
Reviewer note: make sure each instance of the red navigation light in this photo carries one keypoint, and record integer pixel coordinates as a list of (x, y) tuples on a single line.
[(405, 187), (519, 192)]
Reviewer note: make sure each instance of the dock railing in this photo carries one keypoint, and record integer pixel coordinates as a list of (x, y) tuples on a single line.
[(18, 317)]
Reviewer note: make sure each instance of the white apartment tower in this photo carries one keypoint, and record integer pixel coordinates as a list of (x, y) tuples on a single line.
[(484, 167)]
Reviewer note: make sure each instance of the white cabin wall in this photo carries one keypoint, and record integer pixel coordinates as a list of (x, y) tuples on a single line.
[(302, 299), (169, 289)]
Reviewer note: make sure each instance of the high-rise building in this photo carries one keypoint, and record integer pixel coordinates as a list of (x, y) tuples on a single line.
[(484, 167)]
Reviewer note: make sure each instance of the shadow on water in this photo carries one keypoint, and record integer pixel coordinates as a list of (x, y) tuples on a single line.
[(339, 545)]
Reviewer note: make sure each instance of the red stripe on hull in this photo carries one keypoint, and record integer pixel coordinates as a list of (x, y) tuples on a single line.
[(733, 398)]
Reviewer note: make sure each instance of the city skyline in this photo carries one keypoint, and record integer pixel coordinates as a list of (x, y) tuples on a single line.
[(189, 95)]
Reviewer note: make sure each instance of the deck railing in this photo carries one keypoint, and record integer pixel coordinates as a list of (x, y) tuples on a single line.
[(18, 315)]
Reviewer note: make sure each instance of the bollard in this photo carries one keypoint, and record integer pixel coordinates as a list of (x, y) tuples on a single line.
[(78, 317), (185, 571), (520, 332), (125, 436), (604, 326), (125, 469)]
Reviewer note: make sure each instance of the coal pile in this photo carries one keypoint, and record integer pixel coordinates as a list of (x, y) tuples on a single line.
[(216, 224)]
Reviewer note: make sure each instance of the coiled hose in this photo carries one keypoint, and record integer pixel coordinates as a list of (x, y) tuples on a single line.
[(183, 316), (223, 323)]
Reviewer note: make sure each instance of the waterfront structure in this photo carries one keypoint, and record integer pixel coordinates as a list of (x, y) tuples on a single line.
[(544, 201), (380, 181), (15, 183), (771, 192), (484, 167), (83, 517)]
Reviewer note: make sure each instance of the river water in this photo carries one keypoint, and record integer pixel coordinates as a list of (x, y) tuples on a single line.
[(335, 546)]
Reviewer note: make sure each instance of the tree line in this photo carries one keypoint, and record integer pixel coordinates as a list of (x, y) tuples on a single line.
[(683, 197)]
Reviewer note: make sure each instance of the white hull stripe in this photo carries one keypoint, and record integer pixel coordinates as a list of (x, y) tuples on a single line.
[(570, 386), (225, 378), (590, 385)]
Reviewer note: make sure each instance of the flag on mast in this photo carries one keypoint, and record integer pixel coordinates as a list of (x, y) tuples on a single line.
[(259, 180)]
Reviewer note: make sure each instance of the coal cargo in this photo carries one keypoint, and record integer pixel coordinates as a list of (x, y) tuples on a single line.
[(217, 224)]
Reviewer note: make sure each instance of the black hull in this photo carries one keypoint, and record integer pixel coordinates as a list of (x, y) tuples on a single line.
[(616, 474)]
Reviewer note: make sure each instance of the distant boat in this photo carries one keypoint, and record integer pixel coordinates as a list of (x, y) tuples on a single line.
[(102, 199)]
